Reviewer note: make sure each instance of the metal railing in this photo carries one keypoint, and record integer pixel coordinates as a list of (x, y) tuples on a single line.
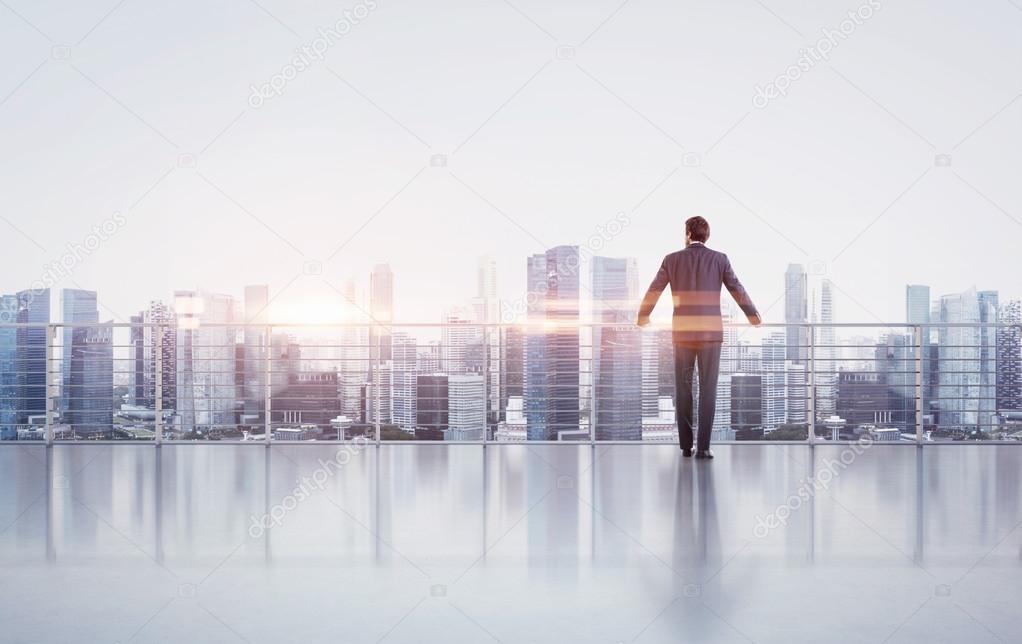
[(942, 383)]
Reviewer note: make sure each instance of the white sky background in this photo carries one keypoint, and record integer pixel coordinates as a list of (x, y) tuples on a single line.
[(557, 146)]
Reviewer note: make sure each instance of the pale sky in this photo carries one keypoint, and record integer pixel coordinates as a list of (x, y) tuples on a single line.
[(555, 117)]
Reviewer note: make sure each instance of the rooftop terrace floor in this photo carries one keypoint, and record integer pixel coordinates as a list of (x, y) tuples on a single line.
[(511, 543)]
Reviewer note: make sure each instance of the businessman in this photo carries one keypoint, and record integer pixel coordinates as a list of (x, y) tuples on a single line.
[(696, 274)]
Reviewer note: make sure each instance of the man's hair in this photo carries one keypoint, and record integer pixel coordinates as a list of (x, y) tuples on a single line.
[(697, 228)]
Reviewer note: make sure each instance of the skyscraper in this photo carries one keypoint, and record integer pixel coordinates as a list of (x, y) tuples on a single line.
[(1009, 357), (466, 408), (8, 368), (381, 306), (959, 360), (431, 406), (30, 355), (160, 339), (746, 408), (256, 317), (77, 307), (917, 304), (826, 350), (796, 313), (617, 351), (552, 352), (205, 362), (405, 365), (90, 381), (988, 305)]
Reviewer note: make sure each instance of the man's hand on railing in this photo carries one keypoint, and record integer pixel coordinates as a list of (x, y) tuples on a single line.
[(755, 320), (643, 320)]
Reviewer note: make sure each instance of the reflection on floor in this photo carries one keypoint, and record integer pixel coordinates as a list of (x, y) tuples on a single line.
[(419, 543)]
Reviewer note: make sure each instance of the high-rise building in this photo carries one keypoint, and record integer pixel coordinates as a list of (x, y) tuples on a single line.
[(552, 384), (355, 356), (917, 304), (205, 362), (466, 409), (617, 351), (796, 313), (30, 355), (773, 381), (256, 317), (512, 366), (988, 305), (959, 360), (461, 342), (1009, 357), (136, 345), (381, 306), (310, 398), (405, 364), (77, 306), (746, 406), (825, 351), (487, 311), (431, 406), (90, 381), (8, 368), (895, 358), (159, 336)]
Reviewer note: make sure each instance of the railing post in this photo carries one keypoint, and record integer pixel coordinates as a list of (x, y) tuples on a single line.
[(49, 399), (917, 332), (811, 386), (267, 385), (158, 347)]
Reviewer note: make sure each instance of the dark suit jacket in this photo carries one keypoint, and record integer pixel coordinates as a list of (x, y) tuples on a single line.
[(696, 274)]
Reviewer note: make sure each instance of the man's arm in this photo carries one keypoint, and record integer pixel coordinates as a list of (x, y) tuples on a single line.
[(737, 291), (656, 287)]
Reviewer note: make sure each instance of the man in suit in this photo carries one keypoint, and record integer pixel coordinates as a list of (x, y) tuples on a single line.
[(696, 274)]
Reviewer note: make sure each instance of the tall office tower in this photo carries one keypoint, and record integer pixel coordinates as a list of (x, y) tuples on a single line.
[(381, 305), (205, 361), (461, 342), (159, 336), (617, 350), (77, 307), (431, 406), (826, 351), (512, 366), (917, 304), (90, 410), (1009, 357), (466, 408), (895, 358), (552, 393), (728, 365), (959, 360), (379, 394), (746, 406), (863, 398), (405, 364), (429, 357), (797, 392), (796, 313), (256, 317), (310, 398), (487, 311), (650, 373), (988, 306), (774, 381), (8, 368), (355, 357), (136, 345), (30, 355)]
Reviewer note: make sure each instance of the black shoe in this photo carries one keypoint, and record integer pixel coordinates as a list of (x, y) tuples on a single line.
[(704, 454), (686, 453)]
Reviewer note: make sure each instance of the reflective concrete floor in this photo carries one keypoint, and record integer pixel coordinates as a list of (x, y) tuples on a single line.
[(510, 544)]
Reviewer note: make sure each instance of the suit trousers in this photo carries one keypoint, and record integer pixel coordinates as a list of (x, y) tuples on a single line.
[(686, 356)]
